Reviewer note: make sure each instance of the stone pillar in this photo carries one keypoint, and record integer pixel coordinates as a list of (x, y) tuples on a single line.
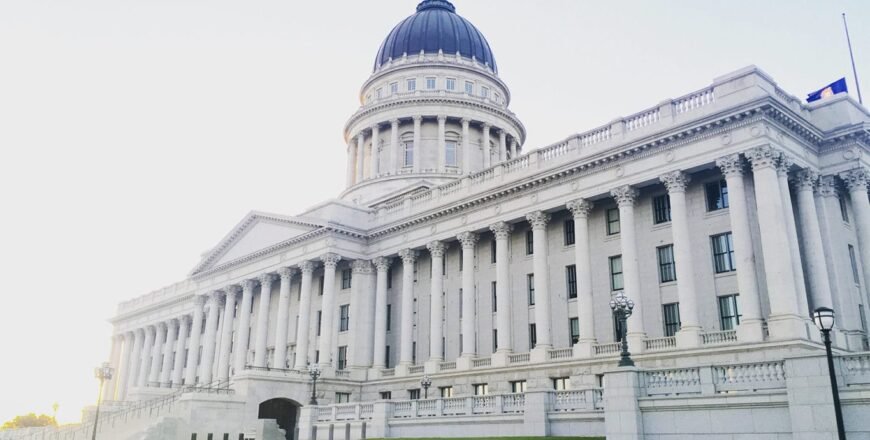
[(622, 416), (125, 366), (376, 155), (406, 355), (280, 359), (147, 351), (469, 242), (580, 209), (487, 150), (514, 148), (689, 335), (178, 366), (442, 143), (240, 348), (382, 264), (625, 197), (782, 168), (360, 156), (262, 330), (785, 319), (502, 145), (168, 349), (539, 220), (215, 303), (817, 270), (195, 335), (114, 361), (856, 182), (466, 147), (362, 315), (750, 328), (327, 321), (501, 232), (810, 403), (418, 148), (136, 358), (351, 164), (223, 373), (436, 301), (307, 269), (394, 145), (156, 351)]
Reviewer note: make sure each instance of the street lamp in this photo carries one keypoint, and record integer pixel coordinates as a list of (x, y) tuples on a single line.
[(426, 382), (314, 372), (103, 373), (824, 319), (622, 307)]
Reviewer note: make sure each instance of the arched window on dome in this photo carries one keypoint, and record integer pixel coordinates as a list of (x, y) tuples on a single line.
[(451, 149), (408, 154)]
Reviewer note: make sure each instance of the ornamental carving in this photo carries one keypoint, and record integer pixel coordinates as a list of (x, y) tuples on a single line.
[(436, 248), (827, 186), (286, 273), (783, 165), (361, 266), (266, 279), (468, 239), (579, 207), (730, 165), (676, 181), (408, 256), (307, 266), (625, 196), (382, 264), (856, 179), (184, 320), (199, 300), (538, 219), (172, 323), (248, 285), (763, 157), (232, 289), (330, 259), (501, 230), (806, 180)]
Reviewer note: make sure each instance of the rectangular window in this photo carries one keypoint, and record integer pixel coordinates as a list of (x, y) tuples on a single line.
[(661, 209), (723, 253), (389, 316), (344, 318), (317, 356), (561, 383), (671, 317), (481, 389), (518, 386), (319, 320), (863, 316), (616, 273), (390, 278), (379, 93), (430, 83), (414, 394), (530, 242), (571, 281), (496, 97), (346, 275), (854, 259), (387, 356), (408, 154), (494, 340), (569, 232), (612, 216), (729, 315), (394, 88), (574, 328), (533, 336), (386, 395), (342, 357), (445, 392), (469, 87), (320, 287), (451, 158), (717, 195), (493, 256), (667, 268), (451, 84), (484, 92), (460, 304), (461, 259), (494, 288), (844, 212), (414, 352), (530, 284), (412, 84)]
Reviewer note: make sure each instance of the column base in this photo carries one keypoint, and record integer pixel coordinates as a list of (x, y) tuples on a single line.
[(636, 344), (432, 366), (584, 349), (500, 358), (688, 337), (787, 327), (750, 330), (539, 354)]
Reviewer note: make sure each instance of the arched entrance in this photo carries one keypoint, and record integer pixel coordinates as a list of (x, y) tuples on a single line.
[(284, 411)]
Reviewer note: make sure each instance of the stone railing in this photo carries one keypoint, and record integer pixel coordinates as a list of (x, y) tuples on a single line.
[(721, 337), (643, 119), (607, 349), (749, 377), (715, 379), (481, 362), (855, 369), (578, 400), (660, 344), (519, 358), (693, 100), (672, 382), (416, 369), (342, 374), (447, 365), (388, 372), (558, 354)]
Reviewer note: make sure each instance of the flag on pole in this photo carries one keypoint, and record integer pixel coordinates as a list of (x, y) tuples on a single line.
[(838, 86)]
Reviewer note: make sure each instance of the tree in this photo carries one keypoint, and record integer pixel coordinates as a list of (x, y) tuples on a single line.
[(30, 420)]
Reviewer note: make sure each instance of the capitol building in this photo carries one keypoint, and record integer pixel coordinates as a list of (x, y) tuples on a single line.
[(460, 285)]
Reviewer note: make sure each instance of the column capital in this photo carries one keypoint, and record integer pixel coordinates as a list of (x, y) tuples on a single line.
[(538, 219), (360, 136), (855, 179), (731, 165), (307, 266), (442, 119), (465, 122), (232, 289), (827, 186), (161, 326), (199, 300), (417, 118), (501, 230), (286, 273), (361, 266), (468, 239), (676, 181), (408, 256), (806, 180), (783, 165), (436, 248), (625, 195), (184, 319), (486, 126), (218, 298), (764, 156), (375, 127), (382, 264), (266, 280), (330, 259), (579, 207), (171, 322), (248, 285), (394, 123)]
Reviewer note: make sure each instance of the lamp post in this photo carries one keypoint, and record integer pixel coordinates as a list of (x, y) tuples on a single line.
[(824, 319), (103, 373), (314, 372), (622, 307), (426, 382)]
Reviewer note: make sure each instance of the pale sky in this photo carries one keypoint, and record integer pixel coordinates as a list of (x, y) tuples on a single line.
[(135, 134)]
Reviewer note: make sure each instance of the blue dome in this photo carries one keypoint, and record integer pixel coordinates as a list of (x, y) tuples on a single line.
[(434, 27)]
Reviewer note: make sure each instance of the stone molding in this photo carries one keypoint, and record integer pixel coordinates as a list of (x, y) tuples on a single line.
[(827, 186), (856, 179), (784, 164), (266, 279), (248, 285), (501, 230), (625, 195), (538, 219)]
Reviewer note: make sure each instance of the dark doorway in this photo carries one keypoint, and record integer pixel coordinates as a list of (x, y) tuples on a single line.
[(283, 411)]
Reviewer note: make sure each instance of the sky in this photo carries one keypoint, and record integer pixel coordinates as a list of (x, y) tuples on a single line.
[(135, 134)]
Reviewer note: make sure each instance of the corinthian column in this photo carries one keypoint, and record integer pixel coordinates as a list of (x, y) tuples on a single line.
[(280, 359), (382, 265), (178, 366), (156, 351), (168, 349), (147, 351), (418, 148), (240, 348), (115, 362), (263, 320), (785, 317), (328, 308), (406, 349), (487, 149), (625, 197), (360, 156), (351, 164), (394, 145), (539, 220), (436, 301), (362, 313), (817, 271), (135, 361), (469, 242), (215, 304), (124, 371), (580, 209), (750, 328), (782, 167), (856, 182), (376, 155), (227, 333), (195, 335), (307, 269), (502, 145), (501, 232), (442, 143), (466, 147)]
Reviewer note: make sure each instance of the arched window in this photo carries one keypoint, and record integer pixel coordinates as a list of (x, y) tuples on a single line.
[(408, 154)]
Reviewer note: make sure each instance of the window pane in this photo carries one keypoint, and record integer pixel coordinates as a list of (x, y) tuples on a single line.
[(571, 280), (530, 281), (616, 273), (574, 325), (451, 84), (412, 84), (729, 315), (662, 209), (717, 195), (612, 221), (450, 153), (667, 269), (671, 315), (430, 83), (409, 154), (530, 242), (569, 232)]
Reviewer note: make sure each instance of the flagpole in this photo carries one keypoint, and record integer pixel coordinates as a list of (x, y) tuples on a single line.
[(852, 57)]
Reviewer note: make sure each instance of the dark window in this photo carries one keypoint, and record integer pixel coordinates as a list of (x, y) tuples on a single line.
[(389, 316), (571, 280), (444, 264), (344, 318), (518, 386), (530, 283), (461, 258), (530, 242), (414, 352), (533, 336), (342, 397), (319, 319), (494, 298), (729, 315), (494, 340), (561, 383), (321, 286), (661, 209), (574, 328), (671, 315), (342, 357), (854, 260), (387, 356), (460, 303), (445, 392), (844, 212), (863, 316), (492, 251), (345, 278), (390, 278), (616, 273), (414, 394), (569, 232), (612, 216), (717, 195), (723, 253), (481, 389), (316, 356), (386, 395), (667, 269)]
